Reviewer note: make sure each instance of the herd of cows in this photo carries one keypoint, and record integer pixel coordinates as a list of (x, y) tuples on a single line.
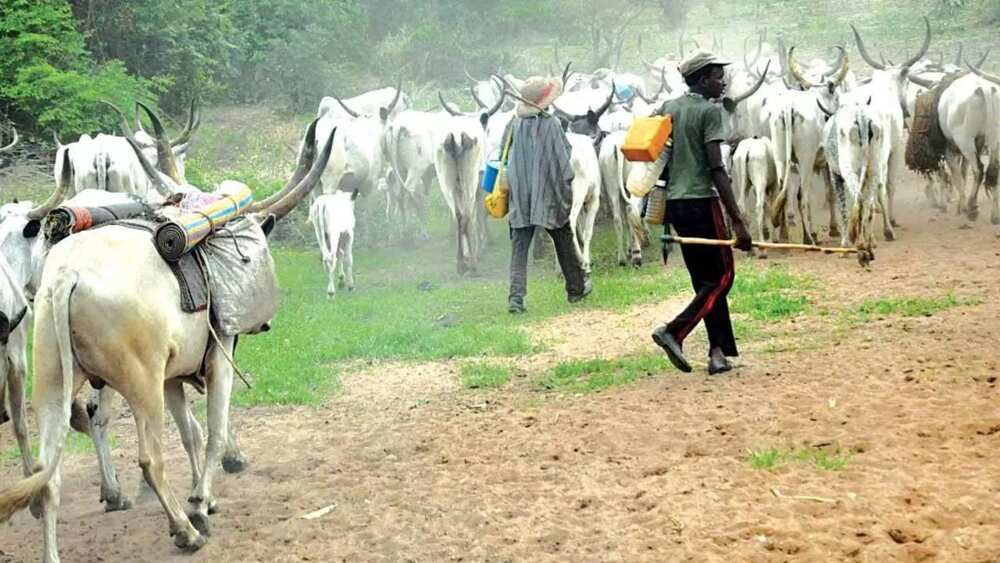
[(104, 304)]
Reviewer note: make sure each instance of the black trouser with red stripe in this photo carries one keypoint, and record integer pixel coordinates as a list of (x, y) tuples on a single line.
[(711, 269)]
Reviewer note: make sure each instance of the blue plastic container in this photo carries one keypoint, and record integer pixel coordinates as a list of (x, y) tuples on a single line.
[(490, 175)]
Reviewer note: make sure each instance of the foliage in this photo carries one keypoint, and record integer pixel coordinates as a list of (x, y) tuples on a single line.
[(484, 375), (770, 458), (47, 78)]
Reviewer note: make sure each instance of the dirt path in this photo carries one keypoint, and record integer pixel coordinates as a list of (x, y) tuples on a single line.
[(419, 469)]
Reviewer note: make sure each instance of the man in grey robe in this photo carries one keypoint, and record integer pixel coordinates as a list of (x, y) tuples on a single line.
[(541, 193)]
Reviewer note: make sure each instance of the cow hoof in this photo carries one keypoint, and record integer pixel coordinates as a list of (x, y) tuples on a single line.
[(118, 504), (200, 523), (189, 541), (637, 262), (894, 224), (36, 508), (621, 262), (234, 464), (762, 256), (972, 214), (889, 236), (834, 232)]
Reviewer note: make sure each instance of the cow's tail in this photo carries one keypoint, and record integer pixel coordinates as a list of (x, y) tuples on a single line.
[(17, 498), (778, 211), (741, 163)]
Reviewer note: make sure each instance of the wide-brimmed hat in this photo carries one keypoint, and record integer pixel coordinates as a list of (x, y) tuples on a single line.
[(699, 60), (539, 91)]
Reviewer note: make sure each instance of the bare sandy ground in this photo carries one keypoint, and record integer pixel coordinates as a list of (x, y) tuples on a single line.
[(419, 469)]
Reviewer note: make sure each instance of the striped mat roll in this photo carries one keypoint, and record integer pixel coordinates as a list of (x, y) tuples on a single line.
[(177, 237)]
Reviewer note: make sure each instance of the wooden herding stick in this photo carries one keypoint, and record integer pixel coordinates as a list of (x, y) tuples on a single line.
[(766, 245)]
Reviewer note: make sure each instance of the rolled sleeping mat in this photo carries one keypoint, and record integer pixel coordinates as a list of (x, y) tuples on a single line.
[(64, 221), (176, 237)]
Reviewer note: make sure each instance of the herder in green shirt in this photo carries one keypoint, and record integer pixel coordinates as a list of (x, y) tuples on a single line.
[(697, 182)]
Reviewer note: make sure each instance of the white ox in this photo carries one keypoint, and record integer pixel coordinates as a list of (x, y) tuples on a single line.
[(106, 162), (885, 93), (755, 181), (586, 195), (970, 120), (368, 103), (626, 209), (409, 148), (458, 155), (357, 162), (332, 216), (107, 309)]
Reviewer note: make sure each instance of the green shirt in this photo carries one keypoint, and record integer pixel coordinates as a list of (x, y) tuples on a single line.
[(696, 122)]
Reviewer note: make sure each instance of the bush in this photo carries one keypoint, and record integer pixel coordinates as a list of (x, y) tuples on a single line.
[(47, 78)]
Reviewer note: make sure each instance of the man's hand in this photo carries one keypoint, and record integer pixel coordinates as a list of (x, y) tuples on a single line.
[(743, 241)]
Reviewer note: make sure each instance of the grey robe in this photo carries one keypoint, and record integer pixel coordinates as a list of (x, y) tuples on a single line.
[(539, 173)]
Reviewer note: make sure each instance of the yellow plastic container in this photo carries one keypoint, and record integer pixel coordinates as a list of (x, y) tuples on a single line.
[(645, 139)]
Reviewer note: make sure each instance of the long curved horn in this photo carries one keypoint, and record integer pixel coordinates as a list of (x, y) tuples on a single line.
[(163, 183), (864, 51), (126, 129), (55, 137), (845, 67), (468, 75), (924, 82), (650, 67), (194, 121), (752, 91), (12, 143), (644, 98), (479, 102), (166, 159), (307, 184), (305, 160), (349, 111), (567, 73), (664, 85), (446, 106), (783, 57), (62, 185), (838, 65), (923, 48), (395, 99), (607, 104), (796, 72), (499, 103), (823, 108), (983, 74), (982, 61)]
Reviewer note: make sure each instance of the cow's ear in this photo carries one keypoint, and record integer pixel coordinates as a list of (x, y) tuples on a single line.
[(267, 225), (5, 329), (32, 228), (831, 87), (592, 117), (383, 114), (354, 194), (729, 104), (484, 118), (17, 319)]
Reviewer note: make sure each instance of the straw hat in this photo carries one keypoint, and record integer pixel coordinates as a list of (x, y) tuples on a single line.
[(540, 92)]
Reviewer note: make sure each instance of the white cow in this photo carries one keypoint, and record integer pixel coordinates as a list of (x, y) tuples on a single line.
[(458, 155), (586, 195), (409, 147), (755, 181), (13, 358), (357, 162), (107, 162), (107, 309), (886, 94), (626, 209), (368, 103), (970, 119), (332, 216)]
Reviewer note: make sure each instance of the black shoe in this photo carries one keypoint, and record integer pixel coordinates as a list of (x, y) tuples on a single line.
[(588, 287), (516, 308), (670, 345), (717, 365)]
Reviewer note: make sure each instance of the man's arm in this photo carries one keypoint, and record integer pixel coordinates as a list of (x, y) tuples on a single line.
[(725, 188)]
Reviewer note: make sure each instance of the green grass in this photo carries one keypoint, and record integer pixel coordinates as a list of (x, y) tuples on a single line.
[(769, 294), (906, 307), (484, 376), (585, 376), (76, 444), (770, 458)]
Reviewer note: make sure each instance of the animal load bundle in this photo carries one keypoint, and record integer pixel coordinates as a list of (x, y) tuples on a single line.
[(64, 221), (206, 213), (926, 146)]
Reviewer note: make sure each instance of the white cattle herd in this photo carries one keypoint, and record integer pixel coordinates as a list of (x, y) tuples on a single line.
[(799, 132)]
